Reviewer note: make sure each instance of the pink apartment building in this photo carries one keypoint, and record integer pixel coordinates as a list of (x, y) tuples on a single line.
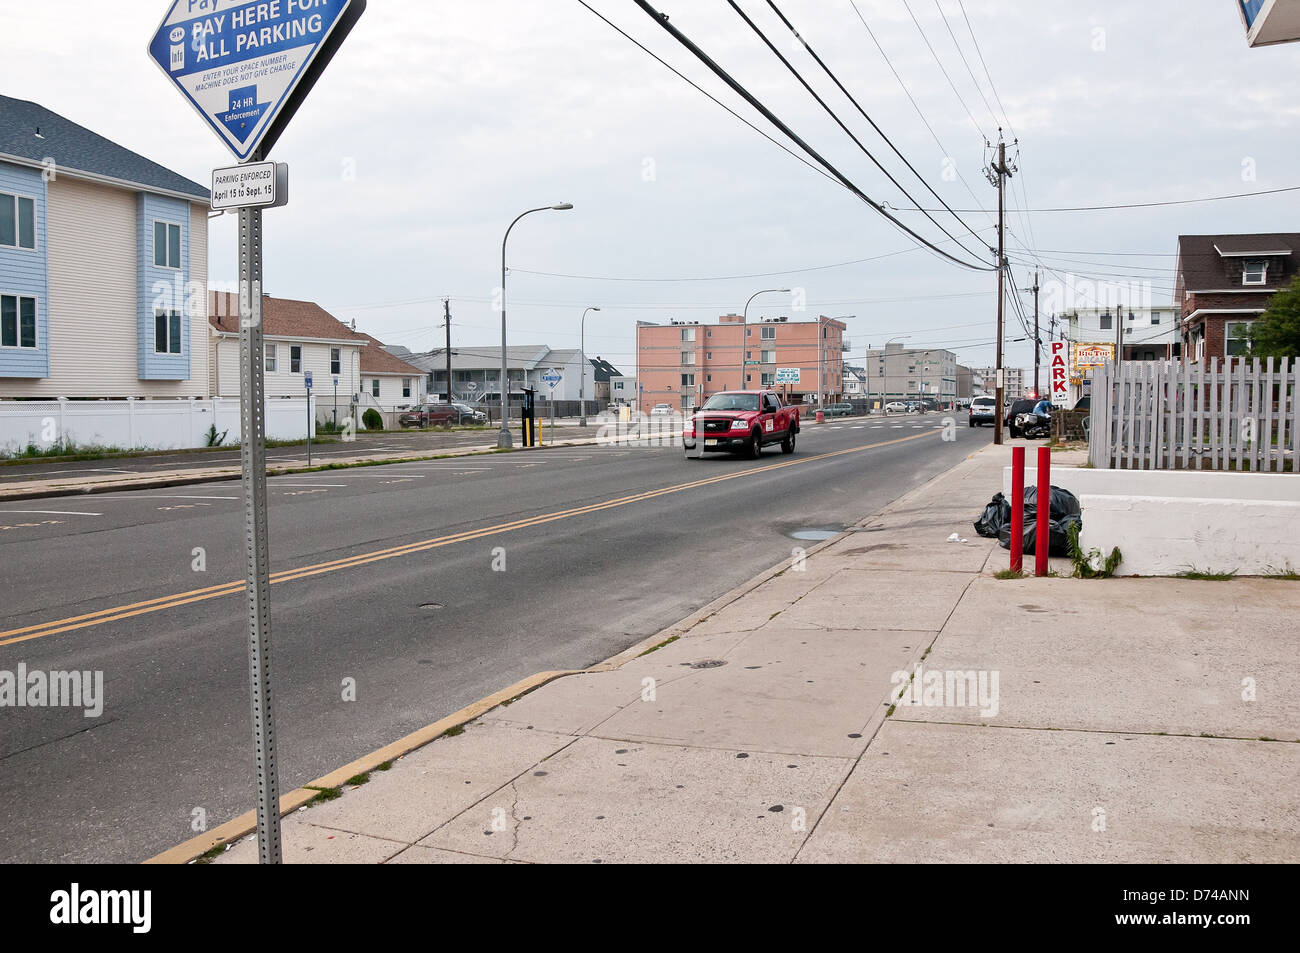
[(682, 363)]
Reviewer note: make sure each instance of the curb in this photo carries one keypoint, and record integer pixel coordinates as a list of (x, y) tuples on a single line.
[(234, 473)]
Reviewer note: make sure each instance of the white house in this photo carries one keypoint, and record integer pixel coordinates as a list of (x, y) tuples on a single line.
[(298, 337), (388, 383), (103, 266)]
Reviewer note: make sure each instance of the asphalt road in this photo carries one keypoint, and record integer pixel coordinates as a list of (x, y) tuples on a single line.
[(111, 583)]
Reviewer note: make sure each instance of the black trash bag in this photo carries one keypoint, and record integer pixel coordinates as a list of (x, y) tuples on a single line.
[(996, 517), (1062, 503), (1058, 539)]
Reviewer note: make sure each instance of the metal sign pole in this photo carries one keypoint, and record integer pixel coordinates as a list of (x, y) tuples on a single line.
[(310, 428), (252, 403)]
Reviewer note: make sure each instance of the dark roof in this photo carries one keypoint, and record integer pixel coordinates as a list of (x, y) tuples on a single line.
[(604, 370), (283, 317), (77, 149), (1203, 267), (375, 359)]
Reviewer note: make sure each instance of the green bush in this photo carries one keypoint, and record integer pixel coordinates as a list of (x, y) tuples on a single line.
[(373, 419)]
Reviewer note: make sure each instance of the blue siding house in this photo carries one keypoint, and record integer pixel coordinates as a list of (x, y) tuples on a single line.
[(103, 266)]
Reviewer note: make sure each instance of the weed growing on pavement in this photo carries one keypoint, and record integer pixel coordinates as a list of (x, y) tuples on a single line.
[(455, 730), (386, 766), (358, 779), (211, 854), (656, 648), (1091, 565), (1008, 574), (323, 794), (1207, 575)]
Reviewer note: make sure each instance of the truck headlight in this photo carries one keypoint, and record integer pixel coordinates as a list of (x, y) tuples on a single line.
[(739, 425)]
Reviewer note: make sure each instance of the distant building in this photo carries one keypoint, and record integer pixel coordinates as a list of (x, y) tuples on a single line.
[(683, 362), (1223, 283), (622, 390), (1014, 385), (855, 382), (898, 373), (1150, 332), (476, 372), (970, 383)]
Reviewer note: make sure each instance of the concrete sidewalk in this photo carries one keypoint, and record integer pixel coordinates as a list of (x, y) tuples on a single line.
[(1151, 720)]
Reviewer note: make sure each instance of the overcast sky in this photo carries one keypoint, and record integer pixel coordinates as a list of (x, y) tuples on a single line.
[(440, 121)]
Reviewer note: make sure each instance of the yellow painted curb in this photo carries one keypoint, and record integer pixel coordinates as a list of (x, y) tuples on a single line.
[(247, 823)]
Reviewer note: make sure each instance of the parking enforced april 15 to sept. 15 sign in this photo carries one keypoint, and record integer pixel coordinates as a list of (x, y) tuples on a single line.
[(238, 62)]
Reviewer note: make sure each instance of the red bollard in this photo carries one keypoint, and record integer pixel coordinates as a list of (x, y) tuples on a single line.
[(1043, 511), (1017, 508)]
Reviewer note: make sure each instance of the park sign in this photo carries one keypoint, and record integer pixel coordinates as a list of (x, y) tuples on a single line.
[(1060, 372), (246, 65)]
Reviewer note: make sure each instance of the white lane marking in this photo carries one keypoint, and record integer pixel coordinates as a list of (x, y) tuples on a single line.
[(859, 427), (878, 427), (281, 486), (918, 427), (128, 499), (49, 513), (382, 476), (896, 427)]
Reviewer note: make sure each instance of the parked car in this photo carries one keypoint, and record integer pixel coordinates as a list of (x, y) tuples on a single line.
[(741, 421), (840, 410), (468, 415), (896, 407), (430, 414), (1022, 405), (661, 410), (982, 410), (1085, 403)]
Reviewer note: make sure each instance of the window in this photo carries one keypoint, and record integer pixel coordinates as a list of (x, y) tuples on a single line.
[(17, 221), (167, 332), (166, 245), (688, 357), (1254, 272), (374, 387), (688, 380), (406, 387), (769, 357), (1236, 338), (769, 334), (269, 365), (708, 334), (1106, 322), (295, 358), (708, 355), (688, 334), (769, 379), (17, 321), (335, 361), (708, 378), (1155, 317)]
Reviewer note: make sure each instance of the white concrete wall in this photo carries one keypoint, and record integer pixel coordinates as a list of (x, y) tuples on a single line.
[(140, 424), (1167, 522)]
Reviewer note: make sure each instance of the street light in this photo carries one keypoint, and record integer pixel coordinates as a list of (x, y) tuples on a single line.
[(582, 368), (503, 438), (744, 320)]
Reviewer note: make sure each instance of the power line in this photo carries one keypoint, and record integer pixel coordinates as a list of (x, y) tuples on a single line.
[(1005, 115), (835, 79), (1110, 208), (908, 7), (726, 77), (683, 76), (970, 72)]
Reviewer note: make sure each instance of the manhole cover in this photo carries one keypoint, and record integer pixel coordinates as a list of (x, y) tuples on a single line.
[(708, 663), (815, 534)]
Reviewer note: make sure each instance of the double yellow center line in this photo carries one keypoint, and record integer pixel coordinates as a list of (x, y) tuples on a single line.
[(117, 613)]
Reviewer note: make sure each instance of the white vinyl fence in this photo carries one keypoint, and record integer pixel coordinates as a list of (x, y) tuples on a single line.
[(1238, 415), (140, 424)]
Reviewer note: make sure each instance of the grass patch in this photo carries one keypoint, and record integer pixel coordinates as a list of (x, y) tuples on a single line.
[(455, 730), (1008, 574), (890, 712), (386, 766), (323, 794), (1207, 576), (656, 648), (357, 780), (211, 854)]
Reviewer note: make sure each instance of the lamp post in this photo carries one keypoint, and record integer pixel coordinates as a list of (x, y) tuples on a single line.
[(503, 438), (582, 368), (744, 321)]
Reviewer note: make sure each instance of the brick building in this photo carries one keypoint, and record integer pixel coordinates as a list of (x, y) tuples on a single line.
[(1223, 283), (683, 362)]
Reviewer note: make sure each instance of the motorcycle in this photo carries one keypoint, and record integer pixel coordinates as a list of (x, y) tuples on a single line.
[(1034, 427)]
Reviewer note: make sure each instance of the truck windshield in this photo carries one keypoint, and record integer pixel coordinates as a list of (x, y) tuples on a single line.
[(731, 402)]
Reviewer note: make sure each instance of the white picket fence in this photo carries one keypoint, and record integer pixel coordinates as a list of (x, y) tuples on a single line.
[(140, 424), (1238, 415)]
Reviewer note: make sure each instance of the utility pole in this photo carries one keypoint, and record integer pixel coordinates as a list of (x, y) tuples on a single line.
[(446, 310), (1037, 343), (998, 176)]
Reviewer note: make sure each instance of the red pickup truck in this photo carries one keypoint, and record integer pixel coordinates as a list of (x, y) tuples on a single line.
[(741, 421)]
